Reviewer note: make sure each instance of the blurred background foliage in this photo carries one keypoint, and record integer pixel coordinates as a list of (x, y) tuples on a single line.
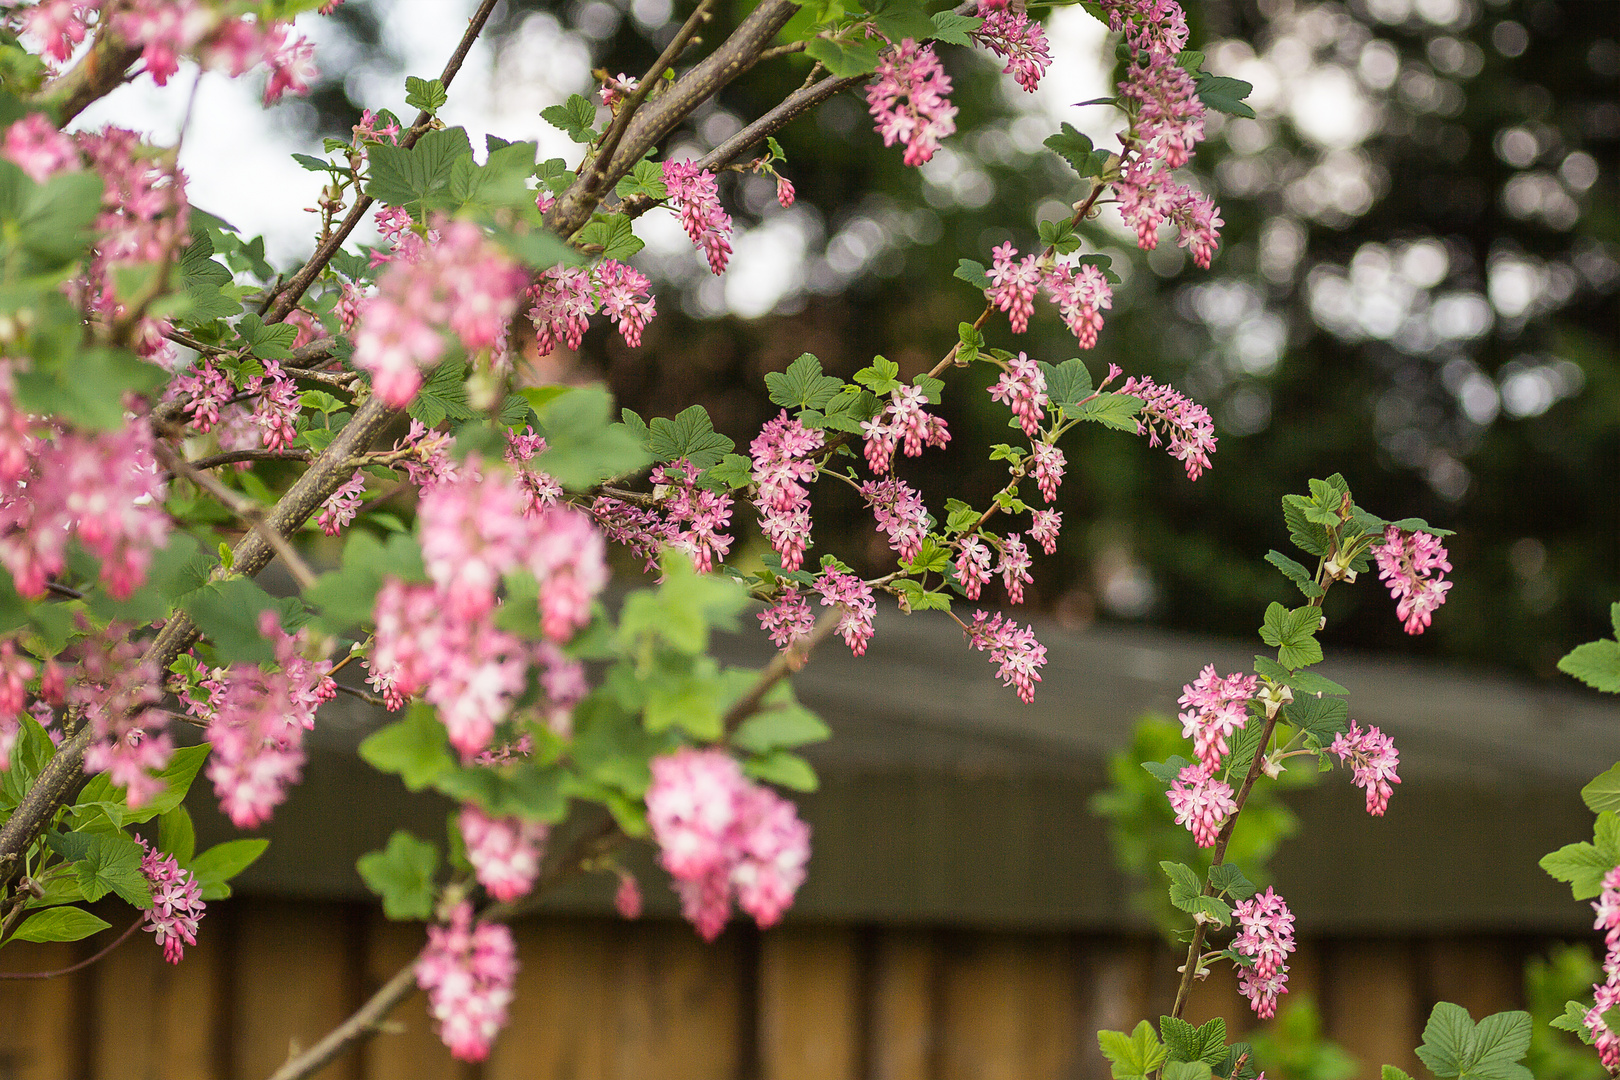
[(1417, 287)]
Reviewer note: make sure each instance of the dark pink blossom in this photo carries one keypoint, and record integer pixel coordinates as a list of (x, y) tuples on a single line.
[(342, 505), (909, 100), (1022, 388), (855, 595), (467, 970), (1013, 649), (1013, 284), (900, 514), (784, 465), (1014, 35), (1266, 936), (504, 852), (177, 904), (1373, 759), (789, 620), (1411, 563), (973, 566), (1201, 802), (1014, 567), (1168, 414), (1045, 529), (693, 192), (38, 149), (1215, 708)]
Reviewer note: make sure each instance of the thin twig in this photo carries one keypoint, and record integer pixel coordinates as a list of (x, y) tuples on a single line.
[(782, 665), (355, 691), (245, 509), (134, 926), (64, 590), (783, 50), (231, 457)]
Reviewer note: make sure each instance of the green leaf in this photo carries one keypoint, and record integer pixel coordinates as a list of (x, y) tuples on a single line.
[(222, 862), (402, 874), (690, 435), (89, 389), (900, 19), (1573, 1019), (1117, 411), (1166, 771), (1227, 878), (1500, 1041), (113, 864), (1186, 1043), (646, 179), (1309, 682), (54, 226), (1076, 149), (418, 177), (1133, 1055), (1185, 885), (534, 794), (780, 726), (882, 377), (413, 748), (1597, 664), (1293, 632), (59, 924), (1581, 865), (1067, 383), (1307, 535), (1225, 94), (614, 234), (733, 471), (802, 385), (1187, 1070), (1319, 717), (953, 29), (1059, 235), (1603, 793), (1393, 1073), (1446, 1038), (576, 116), (682, 609), (972, 272), (584, 446), (443, 396), (783, 768), (844, 59), (426, 94), (177, 836), (347, 597), (1293, 571), (227, 612)]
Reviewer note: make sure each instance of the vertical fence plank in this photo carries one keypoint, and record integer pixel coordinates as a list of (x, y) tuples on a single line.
[(1009, 1008), (39, 1033), (809, 1023), (1481, 975), (675, 1011), (152, 1015), (409, 1046), (1116, 987), (1370, 1003), (293, 984), (902, 1022), (560, 1004)]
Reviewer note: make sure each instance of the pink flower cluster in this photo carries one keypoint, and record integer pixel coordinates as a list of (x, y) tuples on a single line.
[(837, 587), (205, 389), (1013, 34), (1156, 26), (1605, 1040), (177, 904), (1169, 414), (973, 566), (1374, 759), (504, 852), (15, 671), (1410, 563), (1022, 388), (118, 693), (461, 281), (904, 422), (37, 148), (789, 620), (277, 407), (166, 30), (1148, 198), (1013, 649), (1047, 464), (340, 507), (1080, 293), (721, 835), (103, 489), (783, 464), (693, 192), (563, 298), (468, 972), (909, 100), (1014, 567), (1202, 803), (256, 723), (900, 513), (1215, 708), (697, 518), (1266, 937)]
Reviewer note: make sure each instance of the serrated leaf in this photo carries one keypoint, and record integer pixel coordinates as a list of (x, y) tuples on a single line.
[(733, 471), (1186, 1070), (402, 874), (1225, 94), (1295, 572), (1075, 148), (1320, 717), (844, 59), (882, 377), (426, 94), (215, 867), (1579, 864), (614, 234), (1228, 878), (584, 446), (227, 612), (1066, 383), (576, 116), (1166, 771), (1293, 633), (900, 19), (417, 177), (972, 272), (953, 29), (690, 435), (1596, 663), (1134, 1055), (784, 769), (645, 179), (1392, 1073), (802, 385), (414, 748), (777, 727), (59, 924), (1117, 411)]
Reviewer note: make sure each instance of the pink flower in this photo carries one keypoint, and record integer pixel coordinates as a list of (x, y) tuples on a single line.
[(627, 899), (505, 852), (177, 904), (1169, 117), (568, 558), (118, 693), (59, 25), (1216, 707), (900, 514), (1045, 529), (783, 456), (1201, 802), (475, 529), (1167, 412), (342, 505), (1155, 26), (1014, 567), (277, 409), (784, 192), (1373, 758), (15, 671), (208, 389), (1267, 937), (626, 298), (1022, 388), (562, 304), (1014, 35), (38, 149), (1409, 562), (697, 517), (165, 29), (292, 65), (1081, 294), (1013, 649), (468, 973), (789, 620), (973, 566), (1049, 463), (909, 101), (693, 192), (1013, 285), (837, 587)]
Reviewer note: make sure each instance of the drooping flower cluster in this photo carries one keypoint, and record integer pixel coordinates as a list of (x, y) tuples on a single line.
[(904, 422), (1266, 937), (1411, 562), (468, 972), (541, 488), (1373, 758), (1214, 707), (1081, 292), (342, 505), (1605, 1040), (900, 513), (1014, 35), (1014, 567), (277, 407), (177, 904), (504, 852), (104, 489), (909, 100), (1048, 463), (38, 149), (789, 620), (461, 281), (1022, 388), (1013, 284), (563, 298), (118, 692), (1167, 414), (205, 389), (783, 465), (256, 722), (1013, 649), (694, 193), (697, 517), (15, 671), (973, 566), (1202, 803), (837, 587), (721, 835)]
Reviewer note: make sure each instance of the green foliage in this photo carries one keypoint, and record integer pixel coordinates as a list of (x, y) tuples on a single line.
[(575, 117), (1075, 148), (1225, 94), (845, 59), (1293, 1045), (59, 924), (1117, 411), (347, 596), (1134, 1055), (646, 179), (953, 29), (1551, 984), (1293, 633), (584, 447), (1597, 663), (689, 435), (802, 385), (215, 867), (1583, 865), (413, 748), (1453, 1045), (418, 178), (1293, 571), (428, 95), (613, 233), (402, 874), (1186, 1043), (1603, 793), (227, 612), (1068, 383)]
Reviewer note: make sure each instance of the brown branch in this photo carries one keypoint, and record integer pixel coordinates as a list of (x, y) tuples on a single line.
[(355, 691), (782, 665), (231, 457), (244, 508), (97, 74), (134, 926)]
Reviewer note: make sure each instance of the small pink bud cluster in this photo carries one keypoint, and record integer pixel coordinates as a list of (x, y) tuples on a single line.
[(1267, 937), (1048, 465), (177, 904), (1202, 803), (104, 489), (789, 620), (277, 408), (697, 517), (721, 835), (1410, 562), (118, 693), (1014, 567), (1215, 708), (38, 149), (15, 671), (59, 25), (1022, 388), (1169, 414), (1157, 26), (1013, 34), (615, 90), (563, 299), (504, 852), (205, 389), (1605, 1040), (461, 281), (909, 100), (1080, 293), (837, 587), (166, 30), (904, 422), (1374, 759), (694, 193), (1013, 649), (783, 465), (642, 529), (542, 488), (900, 513), (256, 723), (340, 507), (468, 973), (973, 566)]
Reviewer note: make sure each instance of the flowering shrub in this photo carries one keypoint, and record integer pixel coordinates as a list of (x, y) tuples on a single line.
[(172, 413)]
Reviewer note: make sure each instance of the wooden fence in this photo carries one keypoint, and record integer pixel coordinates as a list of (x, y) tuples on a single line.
[(599, 999)]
